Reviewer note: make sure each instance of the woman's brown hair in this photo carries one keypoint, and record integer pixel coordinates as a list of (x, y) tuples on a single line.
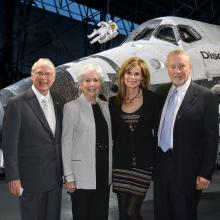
[(127, 65)]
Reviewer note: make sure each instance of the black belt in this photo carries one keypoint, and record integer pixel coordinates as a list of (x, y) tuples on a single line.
[(168, 153)]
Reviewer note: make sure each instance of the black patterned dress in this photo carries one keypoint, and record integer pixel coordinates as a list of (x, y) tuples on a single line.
[(135, 181)]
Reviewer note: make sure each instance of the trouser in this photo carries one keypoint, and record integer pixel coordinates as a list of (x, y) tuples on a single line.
[(90, 204), (171, 202), (41, 205)]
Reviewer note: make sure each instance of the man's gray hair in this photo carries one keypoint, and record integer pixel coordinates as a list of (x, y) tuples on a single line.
[(178, 52)]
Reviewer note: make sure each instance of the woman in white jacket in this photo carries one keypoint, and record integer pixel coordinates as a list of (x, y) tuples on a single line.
[(87, 148)]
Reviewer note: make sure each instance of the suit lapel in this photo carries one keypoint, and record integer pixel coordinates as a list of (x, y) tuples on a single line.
[(57, 115), (188, 101), (35, 106)]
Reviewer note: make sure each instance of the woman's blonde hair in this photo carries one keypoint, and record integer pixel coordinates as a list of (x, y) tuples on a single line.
[(127, 65)]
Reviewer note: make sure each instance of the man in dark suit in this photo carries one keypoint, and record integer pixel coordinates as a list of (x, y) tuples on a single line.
[(187, 139), (32, 146)]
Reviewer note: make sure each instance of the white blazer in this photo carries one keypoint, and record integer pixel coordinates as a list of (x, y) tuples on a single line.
[(79, 142)]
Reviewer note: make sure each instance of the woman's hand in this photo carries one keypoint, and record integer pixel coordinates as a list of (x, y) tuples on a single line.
[(70, 186)]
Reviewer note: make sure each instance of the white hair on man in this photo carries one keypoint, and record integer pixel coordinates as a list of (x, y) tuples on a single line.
[(43, 61)]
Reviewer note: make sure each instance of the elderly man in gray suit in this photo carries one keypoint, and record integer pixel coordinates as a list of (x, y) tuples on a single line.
[(32, 146)]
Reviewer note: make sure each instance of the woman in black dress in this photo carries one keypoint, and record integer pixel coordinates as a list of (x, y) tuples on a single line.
[(134, 113)]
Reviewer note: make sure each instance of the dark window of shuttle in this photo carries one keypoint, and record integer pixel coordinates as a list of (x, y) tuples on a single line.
[(187, 34), (167, 34), (145, 34)]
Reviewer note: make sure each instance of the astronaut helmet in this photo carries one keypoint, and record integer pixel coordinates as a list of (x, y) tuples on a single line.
[(112, 24)]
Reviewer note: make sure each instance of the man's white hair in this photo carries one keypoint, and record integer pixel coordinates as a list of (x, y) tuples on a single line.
[(45, 62)]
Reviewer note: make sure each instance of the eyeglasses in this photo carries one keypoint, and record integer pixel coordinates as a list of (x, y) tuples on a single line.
[(46, 75), (179, 67)]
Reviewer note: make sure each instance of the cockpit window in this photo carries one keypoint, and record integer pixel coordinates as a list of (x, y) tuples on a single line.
[(145, 34), (148, 25), (187, 34), (167, 34)]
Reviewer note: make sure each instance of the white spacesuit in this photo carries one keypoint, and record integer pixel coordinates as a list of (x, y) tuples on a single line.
[(106, 32)]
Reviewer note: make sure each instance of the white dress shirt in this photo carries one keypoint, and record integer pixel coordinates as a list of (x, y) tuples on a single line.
[(50, 115)]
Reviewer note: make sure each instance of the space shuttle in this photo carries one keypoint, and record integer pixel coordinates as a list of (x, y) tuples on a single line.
[(151, 41)]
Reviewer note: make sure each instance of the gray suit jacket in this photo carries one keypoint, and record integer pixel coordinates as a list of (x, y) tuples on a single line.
[(31, 152), (79, 142)]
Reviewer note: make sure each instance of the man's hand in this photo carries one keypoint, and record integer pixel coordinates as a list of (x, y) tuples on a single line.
[(15, 187), (201, 183), (70, 186)]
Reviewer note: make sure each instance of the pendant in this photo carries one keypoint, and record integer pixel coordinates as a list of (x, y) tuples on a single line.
[(134, 160), (131, 128)]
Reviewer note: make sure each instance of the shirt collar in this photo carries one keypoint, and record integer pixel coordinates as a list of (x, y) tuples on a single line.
[(40, 97), (182, 88)]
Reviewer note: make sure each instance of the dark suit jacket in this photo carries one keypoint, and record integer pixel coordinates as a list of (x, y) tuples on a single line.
[(31, 152), (143, 142), (195, 137)]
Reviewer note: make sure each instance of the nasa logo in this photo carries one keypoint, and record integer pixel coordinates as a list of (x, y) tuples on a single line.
[(208, 55)]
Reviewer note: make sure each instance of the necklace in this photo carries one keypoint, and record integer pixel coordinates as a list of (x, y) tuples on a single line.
[(130, 100), (131, 128), (131, 123)]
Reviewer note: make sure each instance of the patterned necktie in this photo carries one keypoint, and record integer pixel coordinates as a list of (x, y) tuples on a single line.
[(48, 114), (165, 136)]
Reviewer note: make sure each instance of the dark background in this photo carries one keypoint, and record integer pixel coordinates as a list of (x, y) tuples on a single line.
[(28, 32)]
